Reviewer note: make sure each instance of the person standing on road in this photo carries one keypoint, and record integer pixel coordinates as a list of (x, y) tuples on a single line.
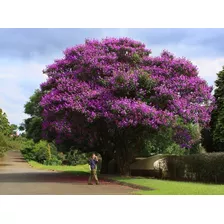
[(93, 169)]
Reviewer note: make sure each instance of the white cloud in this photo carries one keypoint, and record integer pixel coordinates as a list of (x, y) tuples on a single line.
[(209, 67), (17, 83), (181, 50)]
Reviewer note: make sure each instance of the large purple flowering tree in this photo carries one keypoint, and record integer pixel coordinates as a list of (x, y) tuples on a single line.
[(111, 94)]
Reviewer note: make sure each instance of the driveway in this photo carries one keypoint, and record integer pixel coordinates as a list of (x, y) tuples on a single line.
[(18, 178)]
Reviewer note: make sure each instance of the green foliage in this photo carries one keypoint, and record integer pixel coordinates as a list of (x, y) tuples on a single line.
[(145, 82), (196, 138), (32, 125), (7, 141), (28, 150), (15, 143), (47, 154), (207, 141), (33, 128), (3, 144), (75, 157), (32, 107), (13, 128), (162, 142), (174, 149), (206, 167), (53, 161), (41, 151), (22, 127), (5, 128), (217, 122), (157, 142), (37, 152), (136, 58)]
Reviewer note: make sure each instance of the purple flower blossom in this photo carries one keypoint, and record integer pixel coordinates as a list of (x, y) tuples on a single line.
[(117, 81)]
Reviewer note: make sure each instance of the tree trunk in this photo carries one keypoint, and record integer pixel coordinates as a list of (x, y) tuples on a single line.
[(123, 162), (105, 161), (125, 169), (124, 154)]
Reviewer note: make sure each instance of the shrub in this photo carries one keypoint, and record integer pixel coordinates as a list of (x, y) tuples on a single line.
[(42, 152), (53, 161), (15, 143), (27, 150), (61, 156), (9, 143), (74, 157), (174, 149), (206, 167)]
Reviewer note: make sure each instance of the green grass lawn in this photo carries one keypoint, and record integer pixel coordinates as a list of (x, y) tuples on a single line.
[(79, 169), (161, 187)]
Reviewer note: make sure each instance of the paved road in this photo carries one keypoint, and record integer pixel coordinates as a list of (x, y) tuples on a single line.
[(18, 178)]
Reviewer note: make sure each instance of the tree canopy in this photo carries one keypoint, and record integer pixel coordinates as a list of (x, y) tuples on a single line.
[(113, 94), (5, 127), (217, 122), (32, 125)]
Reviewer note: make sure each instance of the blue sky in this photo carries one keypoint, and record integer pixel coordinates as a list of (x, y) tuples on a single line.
[(24, 53)]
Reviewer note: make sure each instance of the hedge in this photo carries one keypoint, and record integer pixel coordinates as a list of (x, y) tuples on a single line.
[(207, 167)]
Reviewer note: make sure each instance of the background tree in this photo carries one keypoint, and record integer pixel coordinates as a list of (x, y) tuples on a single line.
[(207, 140), (5, 128), (184, 139), (14, 129), (111, 95), (22, 127), (3, 144), (32, 125), (4, 131), (217, 122)]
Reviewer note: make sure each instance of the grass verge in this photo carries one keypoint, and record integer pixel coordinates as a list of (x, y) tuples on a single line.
[(79, 169), (160, 187), (163, 187)]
